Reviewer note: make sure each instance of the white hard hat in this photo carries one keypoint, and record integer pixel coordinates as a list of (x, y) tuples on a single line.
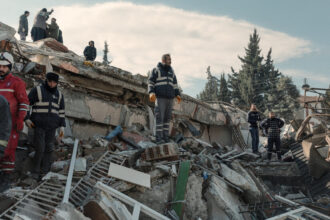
[(6, 58)]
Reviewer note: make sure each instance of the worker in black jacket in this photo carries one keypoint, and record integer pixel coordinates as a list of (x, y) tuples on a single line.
[(272, 127), (48, 114), (253, 119), (90, 51), (163, 88), (5, 123)]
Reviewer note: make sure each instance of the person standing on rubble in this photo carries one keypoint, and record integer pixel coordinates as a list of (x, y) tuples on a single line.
[(48, 114), (38, 31), (13, 89), (53, 29), (272, 128), (163, 88), (253, 119), (23, 28), (90, 51)]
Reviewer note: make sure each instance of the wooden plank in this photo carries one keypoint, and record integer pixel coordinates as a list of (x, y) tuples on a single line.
[(129, 175), (181, 185)]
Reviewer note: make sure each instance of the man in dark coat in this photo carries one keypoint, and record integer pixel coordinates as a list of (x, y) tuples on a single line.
[(23, 27), (253, 119), (38, 31), (272, 127), (53, 29), (5, 123), (163, 88), (90, 51), (48, 114)]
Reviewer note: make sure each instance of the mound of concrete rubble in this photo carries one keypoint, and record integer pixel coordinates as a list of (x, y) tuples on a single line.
[(108, 167)]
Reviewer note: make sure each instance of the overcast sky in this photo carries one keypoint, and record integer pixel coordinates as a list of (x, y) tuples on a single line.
[(196, 33)]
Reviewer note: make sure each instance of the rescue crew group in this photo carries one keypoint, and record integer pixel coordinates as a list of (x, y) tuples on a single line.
[(43, 110)]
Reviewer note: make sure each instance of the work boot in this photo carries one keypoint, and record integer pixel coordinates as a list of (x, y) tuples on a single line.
[(5, 182), (269, 156)]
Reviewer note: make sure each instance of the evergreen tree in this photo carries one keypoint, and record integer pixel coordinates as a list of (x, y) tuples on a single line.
[(211, 90), (284, 101), (105, 55), (224, 93), (247, 84)]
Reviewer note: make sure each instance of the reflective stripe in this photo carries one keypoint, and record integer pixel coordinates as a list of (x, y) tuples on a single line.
[(3, 143), (24, 104), (7, 169), (39, 93), (175, 86), (55, 105), (6, 90), (22, 109), (41, 104), (54, 111), (9, 163), (164, 83), (151, 83), (62, 111), (59, 97), (164, 78), (62, 116), (40, 110)]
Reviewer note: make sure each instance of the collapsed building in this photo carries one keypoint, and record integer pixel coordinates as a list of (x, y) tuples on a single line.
[(208, 171)]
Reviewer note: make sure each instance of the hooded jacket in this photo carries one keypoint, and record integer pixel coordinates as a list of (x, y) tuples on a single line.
[(90, 53), (162, 82)]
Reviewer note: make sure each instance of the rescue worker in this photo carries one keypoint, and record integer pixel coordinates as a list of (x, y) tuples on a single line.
[(13, 89), (163, 88), (90, 51), (272, 128), (23, 28), (53, 29), (5, 123), (38, 31), (253, 118), (47, 115)]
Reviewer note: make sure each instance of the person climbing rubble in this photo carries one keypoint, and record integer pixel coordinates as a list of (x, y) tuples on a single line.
[(5, 123), (13, 89), (23, 28), (38, 31), (163, 88), (53, 29), (90, 51), (272, 128), (48, 114), (253, 119)]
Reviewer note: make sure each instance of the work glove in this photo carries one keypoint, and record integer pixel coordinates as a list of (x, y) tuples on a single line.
[(178, 98), (19, 125), (61, 132), (29, 123), (152, 97)]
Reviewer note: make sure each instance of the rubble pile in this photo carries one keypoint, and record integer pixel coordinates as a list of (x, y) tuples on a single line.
[(107, 166)]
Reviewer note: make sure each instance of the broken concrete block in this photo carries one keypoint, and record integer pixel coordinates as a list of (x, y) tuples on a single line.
[(55, 45), (6, 32), (222, 202), (51, 175), (80, 165), (67, 211), (169, 151), (129, 175), (195, 206)]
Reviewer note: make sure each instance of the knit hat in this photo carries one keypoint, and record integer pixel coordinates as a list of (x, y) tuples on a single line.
[(52, 77)]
